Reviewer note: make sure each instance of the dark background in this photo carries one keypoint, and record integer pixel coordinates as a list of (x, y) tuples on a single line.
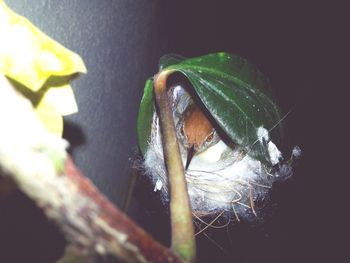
[(301, 48)]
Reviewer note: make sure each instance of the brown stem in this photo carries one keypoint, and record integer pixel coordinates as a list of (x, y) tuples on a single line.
[(137, 245), (38, 165), (182, 230)]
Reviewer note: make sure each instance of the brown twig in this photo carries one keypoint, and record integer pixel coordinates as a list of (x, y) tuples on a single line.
[(37, 163)]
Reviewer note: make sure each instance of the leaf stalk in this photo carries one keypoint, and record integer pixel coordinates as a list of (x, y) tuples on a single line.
[(182, 230)]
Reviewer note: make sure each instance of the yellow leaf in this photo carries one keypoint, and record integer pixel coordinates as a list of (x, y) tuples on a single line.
[(53, 100), (50, 117), (29, 56), (61, 99)]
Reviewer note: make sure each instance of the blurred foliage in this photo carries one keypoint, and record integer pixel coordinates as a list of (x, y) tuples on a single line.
[(39, 67)]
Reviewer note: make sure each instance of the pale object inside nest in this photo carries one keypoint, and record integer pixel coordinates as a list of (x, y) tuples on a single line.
[(221, 177)]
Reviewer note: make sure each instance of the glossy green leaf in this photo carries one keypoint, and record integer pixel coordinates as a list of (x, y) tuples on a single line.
[(145, 116), (235, 92)]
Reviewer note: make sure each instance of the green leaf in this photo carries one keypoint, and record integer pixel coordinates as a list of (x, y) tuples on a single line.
[(236, 94), (145, 116), (147, 106)]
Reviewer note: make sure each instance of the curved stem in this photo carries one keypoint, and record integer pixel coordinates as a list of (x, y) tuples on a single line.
[(182, 230)]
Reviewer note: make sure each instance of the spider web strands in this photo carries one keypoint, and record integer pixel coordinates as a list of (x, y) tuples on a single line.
[(210, 224), (200, 183), (196, 181)]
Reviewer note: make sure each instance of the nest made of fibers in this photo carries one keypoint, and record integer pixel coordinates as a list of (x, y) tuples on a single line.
[(223, 180)]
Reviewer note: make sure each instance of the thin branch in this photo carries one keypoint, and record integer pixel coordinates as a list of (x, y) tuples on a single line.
[(182, 230), (37, 163)]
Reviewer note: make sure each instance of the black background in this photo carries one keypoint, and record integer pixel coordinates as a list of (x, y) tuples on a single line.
[(300, 47)]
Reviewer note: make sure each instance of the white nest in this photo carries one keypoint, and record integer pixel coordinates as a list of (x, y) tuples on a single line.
[(219, 178)]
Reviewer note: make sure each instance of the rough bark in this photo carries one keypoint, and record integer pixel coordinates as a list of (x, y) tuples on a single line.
[(39, 166)]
